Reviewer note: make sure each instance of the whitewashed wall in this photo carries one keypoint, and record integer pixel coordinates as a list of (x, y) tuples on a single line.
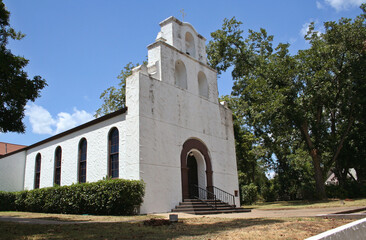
[(12, 172), (97, 158), (169, 115)]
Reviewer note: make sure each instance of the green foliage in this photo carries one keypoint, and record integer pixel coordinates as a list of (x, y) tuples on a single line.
[(105, 197), (250, 156), (15, 86), (7, 201), (249, 193), (114, 98), (350, 189), (311, 101), (269, 191)]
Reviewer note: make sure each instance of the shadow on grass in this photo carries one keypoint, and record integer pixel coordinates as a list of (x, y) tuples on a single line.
[(187, 228), (68, 218)]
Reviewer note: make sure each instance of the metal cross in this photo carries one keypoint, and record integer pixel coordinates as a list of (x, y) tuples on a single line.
[(183, 14)]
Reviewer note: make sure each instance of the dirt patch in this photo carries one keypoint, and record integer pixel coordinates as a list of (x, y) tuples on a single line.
[(157, 222)]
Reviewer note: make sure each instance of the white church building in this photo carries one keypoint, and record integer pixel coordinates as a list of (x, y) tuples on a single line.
[(172, 134)]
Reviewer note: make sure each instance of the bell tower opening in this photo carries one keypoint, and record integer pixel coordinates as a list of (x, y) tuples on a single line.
[(190, 46), (180, 74)]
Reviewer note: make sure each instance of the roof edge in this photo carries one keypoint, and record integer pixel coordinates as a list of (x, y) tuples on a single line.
[(72, 130)]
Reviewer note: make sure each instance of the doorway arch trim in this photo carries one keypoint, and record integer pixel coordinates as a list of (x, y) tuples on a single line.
[(187, 147)]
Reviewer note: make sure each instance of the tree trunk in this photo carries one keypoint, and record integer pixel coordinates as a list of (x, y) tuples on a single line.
[(319, 181), (314, 153)]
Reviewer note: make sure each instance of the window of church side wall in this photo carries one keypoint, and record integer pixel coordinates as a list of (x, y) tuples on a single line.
[(113, 150), (37, 172), (190, 46), (180, 74), (202, 85), (82, 160), (57, 174)]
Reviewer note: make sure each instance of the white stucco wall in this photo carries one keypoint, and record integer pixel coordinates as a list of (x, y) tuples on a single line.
[(12, 172), (97, 155), (170, 115)]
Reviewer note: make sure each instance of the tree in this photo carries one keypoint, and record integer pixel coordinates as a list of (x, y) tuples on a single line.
[(250, 157), (15, 86), (309, 99), (115, 98)]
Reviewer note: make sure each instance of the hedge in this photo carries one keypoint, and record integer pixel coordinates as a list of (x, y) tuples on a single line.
[(105, 197)]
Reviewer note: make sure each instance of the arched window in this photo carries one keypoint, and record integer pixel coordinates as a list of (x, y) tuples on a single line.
[(113, 150), (57, 174), (190, 46), (202, 85), (82, 160), (180, 74), (37, 171)]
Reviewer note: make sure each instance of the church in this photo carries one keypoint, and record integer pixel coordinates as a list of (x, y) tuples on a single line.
[(173, 133)]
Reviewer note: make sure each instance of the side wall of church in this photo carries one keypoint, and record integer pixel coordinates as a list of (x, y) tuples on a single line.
[(12, 172), (97, 155)]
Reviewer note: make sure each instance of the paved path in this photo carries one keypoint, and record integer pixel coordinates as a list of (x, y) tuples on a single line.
[(255, 213)]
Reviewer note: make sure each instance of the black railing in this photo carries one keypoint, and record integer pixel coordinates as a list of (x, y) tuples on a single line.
[(223, 196), (212, 193), (202, 195)]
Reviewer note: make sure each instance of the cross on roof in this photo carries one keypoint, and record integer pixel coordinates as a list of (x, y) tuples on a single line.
[(183, 14)]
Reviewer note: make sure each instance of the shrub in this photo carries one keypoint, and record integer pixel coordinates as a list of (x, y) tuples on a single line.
[(269, 193), (105, 197), (7, 201), (249, 193), (350, 189)]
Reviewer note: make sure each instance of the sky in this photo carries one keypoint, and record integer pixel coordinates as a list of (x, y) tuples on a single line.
[(80, 46)]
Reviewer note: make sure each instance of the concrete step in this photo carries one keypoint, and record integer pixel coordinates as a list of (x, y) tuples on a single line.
[(196, 206), (206, 208), (215, 211)]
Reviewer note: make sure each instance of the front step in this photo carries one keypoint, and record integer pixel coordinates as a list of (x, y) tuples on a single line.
[(199, 207)]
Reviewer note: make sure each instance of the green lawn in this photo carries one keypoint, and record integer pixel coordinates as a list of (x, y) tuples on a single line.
[(309, 204)]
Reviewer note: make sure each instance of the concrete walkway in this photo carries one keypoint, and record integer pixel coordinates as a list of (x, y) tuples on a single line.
[(257, 213)]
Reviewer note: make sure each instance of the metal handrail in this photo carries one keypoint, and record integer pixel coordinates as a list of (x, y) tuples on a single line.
[(223, 195), (203, 194)]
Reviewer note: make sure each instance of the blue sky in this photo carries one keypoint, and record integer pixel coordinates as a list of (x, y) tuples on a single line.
[(80, 46)]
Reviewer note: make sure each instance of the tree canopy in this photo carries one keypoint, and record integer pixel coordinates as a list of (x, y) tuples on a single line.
[(312, 100), (15, 86), (115, 98)]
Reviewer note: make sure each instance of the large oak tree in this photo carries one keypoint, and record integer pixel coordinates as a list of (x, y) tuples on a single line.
[(314, 98)]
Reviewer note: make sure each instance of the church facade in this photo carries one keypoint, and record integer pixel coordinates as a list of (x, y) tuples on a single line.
[(172, 134)]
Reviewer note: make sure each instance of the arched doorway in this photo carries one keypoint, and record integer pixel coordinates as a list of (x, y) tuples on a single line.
[(192, 150), (192, 175)]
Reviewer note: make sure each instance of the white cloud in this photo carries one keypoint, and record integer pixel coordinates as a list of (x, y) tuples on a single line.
[(305, 28), (66, 121), (340, 5), (319, 5), (43, 123), (40, 119)]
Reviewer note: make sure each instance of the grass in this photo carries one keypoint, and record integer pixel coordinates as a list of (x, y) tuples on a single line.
[(309, 204), (132, 227), (76, 218), (194, 228)]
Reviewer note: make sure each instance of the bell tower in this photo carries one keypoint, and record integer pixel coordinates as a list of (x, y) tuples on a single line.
[(174, 117)]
